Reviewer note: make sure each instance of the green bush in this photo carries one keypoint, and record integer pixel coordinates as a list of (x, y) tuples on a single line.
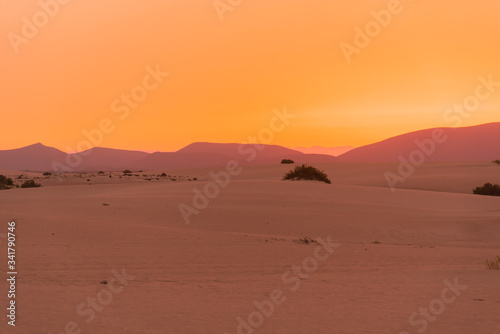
[(5, 182), (488, 189), (30, 184), (306, 172), (287, 161)]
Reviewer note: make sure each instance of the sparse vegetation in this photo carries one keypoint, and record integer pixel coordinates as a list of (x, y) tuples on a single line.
[(308, 240), (30, 184), (306, 172), (488, 189), (5, 182), (495, 264), (287, 161)]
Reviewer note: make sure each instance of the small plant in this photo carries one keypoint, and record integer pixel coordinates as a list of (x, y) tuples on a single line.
[(47, 173), (488, 189), (308, 241), (163, 175), (496, 162), (376, 242), (495, 264), (30, 184), (306, 172), (287, 162), (5, 182), (100, 172), (105, 204), (127, 171)]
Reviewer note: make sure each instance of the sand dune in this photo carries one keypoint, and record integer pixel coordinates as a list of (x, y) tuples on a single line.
[(475, 143), (396, 250)]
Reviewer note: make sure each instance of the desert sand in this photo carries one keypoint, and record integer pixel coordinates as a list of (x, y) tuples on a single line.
[(389, 254)]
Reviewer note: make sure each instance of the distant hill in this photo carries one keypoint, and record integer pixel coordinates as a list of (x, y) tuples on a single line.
[(42, 158), (256, 154), (100, 158), (35, 157), (475, 143)]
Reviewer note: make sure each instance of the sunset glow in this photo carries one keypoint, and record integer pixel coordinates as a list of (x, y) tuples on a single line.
[(227, 76)]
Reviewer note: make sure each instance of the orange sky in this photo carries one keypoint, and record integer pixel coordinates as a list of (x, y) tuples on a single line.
[(226, 77)]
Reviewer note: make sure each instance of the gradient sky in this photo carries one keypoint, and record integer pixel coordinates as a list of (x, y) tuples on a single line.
[(226, 77)]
